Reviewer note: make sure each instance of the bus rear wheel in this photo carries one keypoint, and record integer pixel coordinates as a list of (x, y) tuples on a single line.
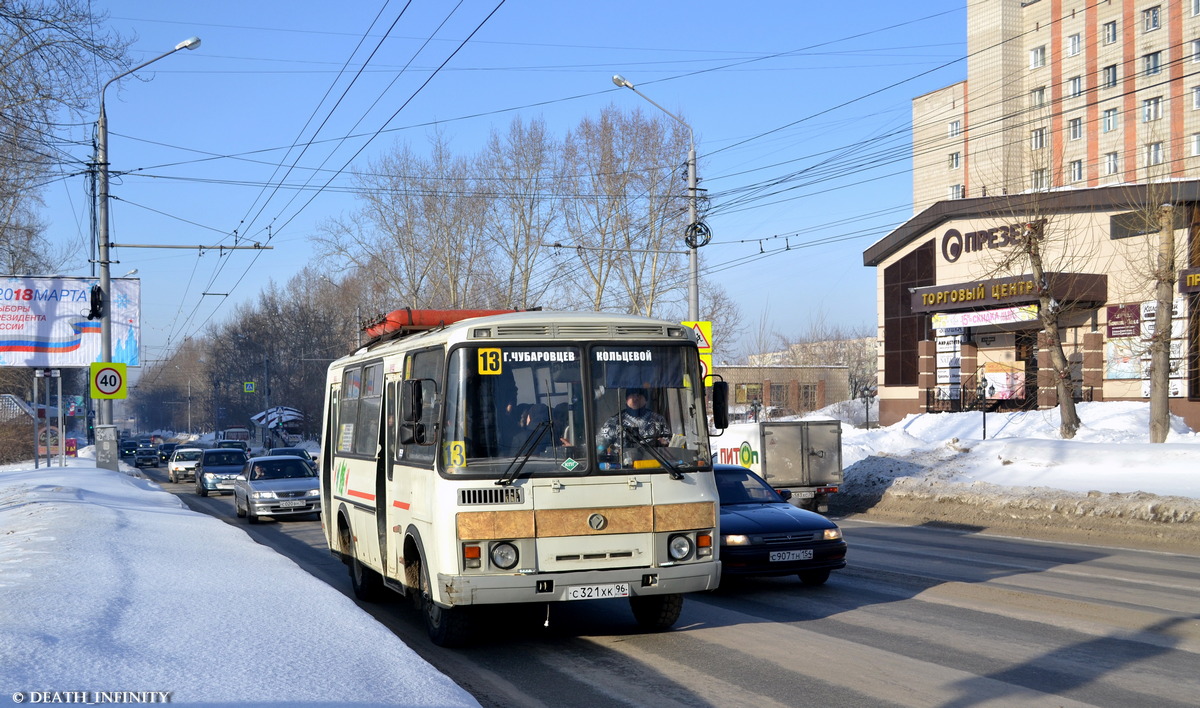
[(656, 613), (446, 626)]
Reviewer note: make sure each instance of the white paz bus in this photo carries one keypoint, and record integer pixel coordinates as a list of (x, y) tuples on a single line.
[(470, 461)]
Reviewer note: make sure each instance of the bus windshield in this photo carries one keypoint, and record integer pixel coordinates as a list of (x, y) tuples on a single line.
[(560, 410)]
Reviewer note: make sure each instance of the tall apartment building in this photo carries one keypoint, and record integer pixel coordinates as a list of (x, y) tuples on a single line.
[(1063, 93), (1079, 121)]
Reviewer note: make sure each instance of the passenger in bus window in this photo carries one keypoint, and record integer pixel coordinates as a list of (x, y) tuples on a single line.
[(636, 420)]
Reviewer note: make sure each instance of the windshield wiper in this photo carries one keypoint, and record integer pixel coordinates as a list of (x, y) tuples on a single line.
[(662, 459), (527, 447)]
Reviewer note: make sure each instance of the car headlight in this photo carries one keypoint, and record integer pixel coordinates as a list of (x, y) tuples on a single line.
[(735, 539), (313, 493), (833, 534), (504, 555), (209, 476), (263, 495), (679, 547)]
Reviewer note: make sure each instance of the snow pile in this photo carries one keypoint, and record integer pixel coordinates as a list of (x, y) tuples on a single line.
[(110, 583), (1108, 470)]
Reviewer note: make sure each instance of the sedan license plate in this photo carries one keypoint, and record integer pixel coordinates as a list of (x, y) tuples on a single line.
[(293, 502), (805, 555), (597, 592)]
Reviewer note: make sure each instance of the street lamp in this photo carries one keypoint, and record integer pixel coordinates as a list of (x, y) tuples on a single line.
[(106, 405), (697, 233)]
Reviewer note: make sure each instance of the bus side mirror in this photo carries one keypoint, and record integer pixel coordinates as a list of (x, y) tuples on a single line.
[(410, 401), (720, 396)]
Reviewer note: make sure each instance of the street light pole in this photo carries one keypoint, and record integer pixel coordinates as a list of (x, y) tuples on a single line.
[(105, 410), (697, 233)]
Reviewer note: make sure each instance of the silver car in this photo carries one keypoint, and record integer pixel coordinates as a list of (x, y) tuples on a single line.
[(182, 464), (276, 485)]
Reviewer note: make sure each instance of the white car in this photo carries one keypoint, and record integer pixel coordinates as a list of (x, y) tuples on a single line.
[(182, 464)]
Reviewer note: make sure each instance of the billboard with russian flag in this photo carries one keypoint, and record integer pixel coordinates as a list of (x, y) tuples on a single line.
[(44, 322)]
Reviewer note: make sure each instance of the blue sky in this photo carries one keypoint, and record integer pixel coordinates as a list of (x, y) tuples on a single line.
[(801, 112)]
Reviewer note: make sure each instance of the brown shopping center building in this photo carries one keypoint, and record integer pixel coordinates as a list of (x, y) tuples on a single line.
[(1080, 119)]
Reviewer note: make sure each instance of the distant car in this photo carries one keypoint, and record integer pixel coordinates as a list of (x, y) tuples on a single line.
[(217, 470), (128, 448), (296, 452), (761, 534), (165, 450), (276, 485), (235, 445), (182, 464), (146, 454)]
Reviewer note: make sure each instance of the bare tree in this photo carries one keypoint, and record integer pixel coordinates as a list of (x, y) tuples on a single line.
[(522, 169), (50, 50), (417, 233), (625, 211)]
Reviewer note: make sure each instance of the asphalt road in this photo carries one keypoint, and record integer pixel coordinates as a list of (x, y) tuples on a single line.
[(921, 617)]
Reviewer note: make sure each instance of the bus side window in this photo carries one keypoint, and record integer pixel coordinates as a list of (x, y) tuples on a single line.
[(420, 401)]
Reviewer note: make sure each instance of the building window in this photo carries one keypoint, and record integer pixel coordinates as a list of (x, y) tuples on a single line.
[(1075, 86), (1196, 93), (903, 329), (955, 160), (1110, 32), (1076, 170), (1037, 97), (808, 397), (1195, 44), (955, 128), (1195, 7), (1150, 19), (1154, 154), (1037, 57), (1037, 138), (957, 191), (1110, 75), (1109, 123), (1112, 163), (1075, 128), (1195, 142), (1039, 179), (1074, 45), (1151, 63), (1152, 109)]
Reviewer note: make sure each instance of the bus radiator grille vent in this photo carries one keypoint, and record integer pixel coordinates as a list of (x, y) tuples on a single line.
[(522, 331), (615, 555), (493, 495), (639, 331), (581, 331)]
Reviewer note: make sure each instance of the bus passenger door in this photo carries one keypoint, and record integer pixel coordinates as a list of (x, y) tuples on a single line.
[(396, 491)]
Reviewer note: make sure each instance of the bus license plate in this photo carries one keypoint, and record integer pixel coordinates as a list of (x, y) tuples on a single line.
[(597, 592), (804, 555), (293, 502)]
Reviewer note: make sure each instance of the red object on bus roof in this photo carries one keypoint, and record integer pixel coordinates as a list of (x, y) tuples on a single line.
[(410, 320)]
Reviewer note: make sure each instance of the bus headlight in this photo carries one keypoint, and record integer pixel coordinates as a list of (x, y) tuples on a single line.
[(679, 547), (504, 555)]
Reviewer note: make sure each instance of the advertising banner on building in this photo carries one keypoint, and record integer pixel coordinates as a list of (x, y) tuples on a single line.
[(1005, 380), (983, 318), (44, 322)]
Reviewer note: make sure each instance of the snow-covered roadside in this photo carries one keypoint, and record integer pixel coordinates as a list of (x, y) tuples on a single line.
[(109, 583), (1109, 479)]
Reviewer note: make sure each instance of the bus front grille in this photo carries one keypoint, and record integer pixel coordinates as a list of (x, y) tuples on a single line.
[(491, 495)]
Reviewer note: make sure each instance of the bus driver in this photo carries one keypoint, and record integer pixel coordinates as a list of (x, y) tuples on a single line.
[(636, 420)]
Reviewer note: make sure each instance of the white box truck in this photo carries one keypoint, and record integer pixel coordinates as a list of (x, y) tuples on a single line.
[(804, 456)]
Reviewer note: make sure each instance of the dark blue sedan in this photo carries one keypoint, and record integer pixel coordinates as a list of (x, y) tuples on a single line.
[(761, 534)]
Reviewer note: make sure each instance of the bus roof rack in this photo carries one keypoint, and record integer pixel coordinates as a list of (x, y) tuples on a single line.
[(399, 323)]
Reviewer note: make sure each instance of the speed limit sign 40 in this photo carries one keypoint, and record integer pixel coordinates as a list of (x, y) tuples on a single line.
[(108, 380)]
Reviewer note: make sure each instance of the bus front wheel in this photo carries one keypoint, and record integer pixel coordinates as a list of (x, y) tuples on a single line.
[(447, 626), (656, 613)]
